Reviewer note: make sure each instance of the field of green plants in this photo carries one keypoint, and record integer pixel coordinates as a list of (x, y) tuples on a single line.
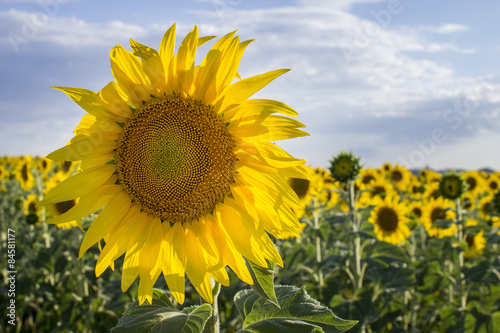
[(394, 250)]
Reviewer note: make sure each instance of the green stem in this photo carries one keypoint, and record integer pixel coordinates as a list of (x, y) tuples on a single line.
[(357, 240), (212, 325), (461, 276), (318, 244)]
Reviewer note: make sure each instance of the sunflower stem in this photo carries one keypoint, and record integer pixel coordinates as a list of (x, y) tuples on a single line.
[(357, 240), (461, 276), (318, 244), (212, 325)]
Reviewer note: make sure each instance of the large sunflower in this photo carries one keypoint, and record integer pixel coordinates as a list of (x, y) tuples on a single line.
[(182, 162), (389, 220)]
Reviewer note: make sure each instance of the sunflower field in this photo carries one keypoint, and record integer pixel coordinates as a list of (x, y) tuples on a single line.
[(395, 250), (172, 209)]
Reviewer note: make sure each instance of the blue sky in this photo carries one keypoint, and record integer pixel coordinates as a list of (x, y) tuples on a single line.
[(402, 81)]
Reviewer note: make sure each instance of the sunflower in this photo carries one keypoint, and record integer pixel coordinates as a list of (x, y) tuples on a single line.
[(415, 188), (431, 191), (389, 220), (492, 183), (184, 164), (475, 243), (415, 210), (345, 167), (3, 172), (486, 209), (387, 167), (468, 201), (31, 210), (23, 173), (437, 210), (366, 176), (44, 165), (428, 176), (475, 182), (399, 177), (452, 186), (375, 191)]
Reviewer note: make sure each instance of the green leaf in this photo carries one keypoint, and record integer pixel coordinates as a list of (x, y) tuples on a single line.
[(162, 316), (263, 281), (477, 322), (159, 298), (388, 252), (297, 312)]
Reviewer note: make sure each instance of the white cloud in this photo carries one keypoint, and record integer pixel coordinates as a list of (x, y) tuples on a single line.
[(21, 27), (445, 28)]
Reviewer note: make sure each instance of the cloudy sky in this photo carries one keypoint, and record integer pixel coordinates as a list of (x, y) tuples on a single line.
[(413, 82)]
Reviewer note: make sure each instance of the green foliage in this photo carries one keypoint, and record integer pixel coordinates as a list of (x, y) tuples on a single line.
[(162, 316), (296, 311)]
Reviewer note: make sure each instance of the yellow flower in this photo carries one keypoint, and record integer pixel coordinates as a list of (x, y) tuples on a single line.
[(415, 210), (476, 243), (399, 177), (468, 201), (390, 221), (492, 183), (415, 188), (3, 172), (184, 164), (437, 210), (475, 182), (44, 165), (23, 173), (452, 186), (366, 176), (378, 189), (485, 207), (428, 176), (431, 191)]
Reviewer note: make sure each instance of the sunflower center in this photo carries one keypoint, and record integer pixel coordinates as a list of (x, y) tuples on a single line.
[(396, 176), (175, 158), (387, 219), (438, 214), (417, 212), (367, 179), (469, 240), (472, 182)]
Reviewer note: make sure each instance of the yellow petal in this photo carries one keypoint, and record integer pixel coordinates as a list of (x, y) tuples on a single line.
[(151, 64), (174, 261), (83, 147), (253, 107), (197, 268), (242, 90), (86, 99), (121, 240), (129, 76), (111, 215), (130, 267), (243, 239), (185, 62), (166, 49), (82, 183), (88, 204), (113, 102), (151, 256), (226, 249)]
